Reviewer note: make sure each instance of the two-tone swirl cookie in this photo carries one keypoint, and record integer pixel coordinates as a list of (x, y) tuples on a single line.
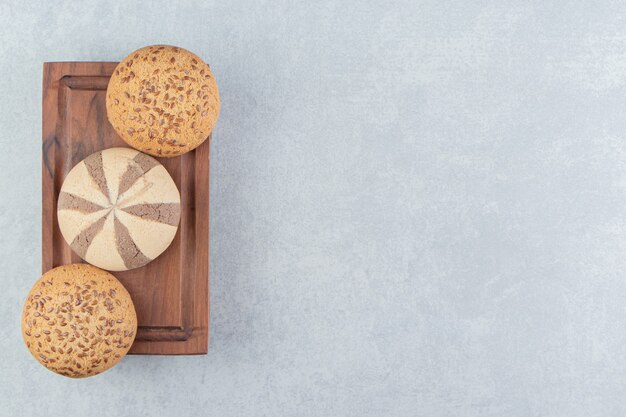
[(118, 209)]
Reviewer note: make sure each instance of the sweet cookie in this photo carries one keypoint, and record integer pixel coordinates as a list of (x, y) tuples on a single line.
[(78, 320), (163, 100), (118, 209)]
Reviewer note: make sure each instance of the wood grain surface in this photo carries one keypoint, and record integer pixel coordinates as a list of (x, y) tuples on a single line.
[(171, 293)]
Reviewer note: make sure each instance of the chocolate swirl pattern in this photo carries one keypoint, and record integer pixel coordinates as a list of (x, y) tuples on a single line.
[(118, 209)]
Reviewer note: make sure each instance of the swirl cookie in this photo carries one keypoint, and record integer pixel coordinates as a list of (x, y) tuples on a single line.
[(118, 209)]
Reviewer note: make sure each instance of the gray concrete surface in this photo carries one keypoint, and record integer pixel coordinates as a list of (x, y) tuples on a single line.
[(417, 207)]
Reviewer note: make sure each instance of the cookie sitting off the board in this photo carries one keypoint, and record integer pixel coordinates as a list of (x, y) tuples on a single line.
[(163, 100), (118, 209), (78, 320)]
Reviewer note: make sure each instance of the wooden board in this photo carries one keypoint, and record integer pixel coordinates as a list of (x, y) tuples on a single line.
[(171, 293)]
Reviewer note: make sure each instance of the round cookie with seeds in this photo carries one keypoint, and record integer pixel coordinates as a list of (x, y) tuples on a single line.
[(78, 320), (118, 209), (163, 100)]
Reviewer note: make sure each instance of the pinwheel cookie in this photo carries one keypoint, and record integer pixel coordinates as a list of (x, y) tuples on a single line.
[(118, 209)]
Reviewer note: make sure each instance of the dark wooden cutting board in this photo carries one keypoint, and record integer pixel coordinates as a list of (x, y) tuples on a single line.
[(171, 293)]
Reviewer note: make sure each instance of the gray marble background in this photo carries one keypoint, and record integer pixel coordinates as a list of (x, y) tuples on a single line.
[(417, 207)]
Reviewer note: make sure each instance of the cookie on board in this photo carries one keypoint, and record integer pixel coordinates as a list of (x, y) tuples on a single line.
[(118, 209), (163, 100), (78, 320)]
